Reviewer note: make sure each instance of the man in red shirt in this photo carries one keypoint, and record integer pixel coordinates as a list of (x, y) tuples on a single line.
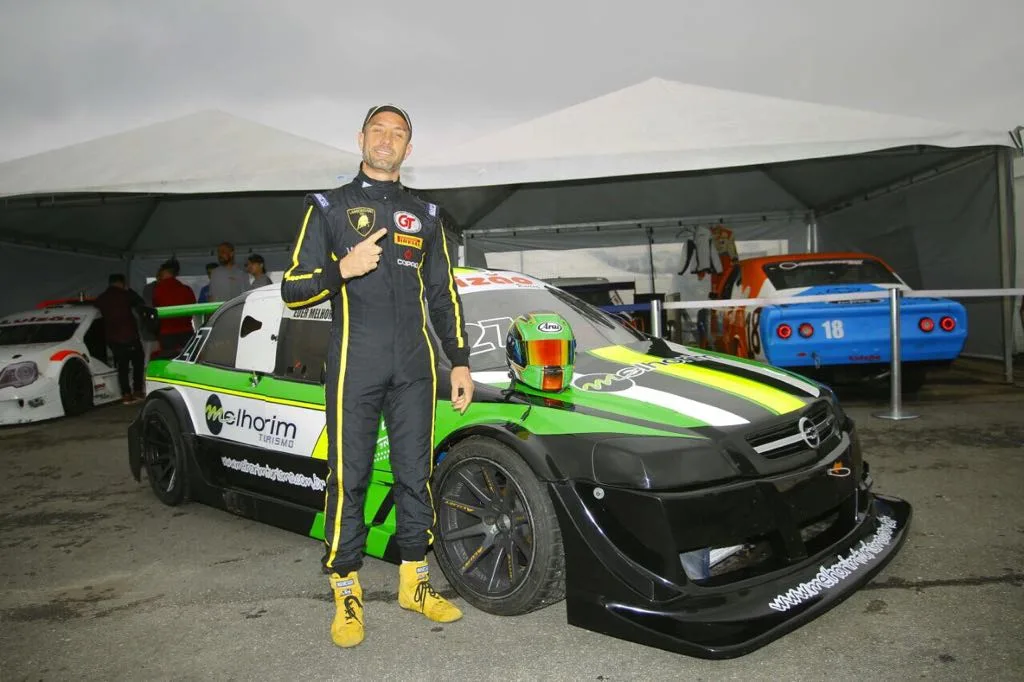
[(175, 332)]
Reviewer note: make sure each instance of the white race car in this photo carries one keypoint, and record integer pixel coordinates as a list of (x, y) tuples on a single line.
[(54, 362)]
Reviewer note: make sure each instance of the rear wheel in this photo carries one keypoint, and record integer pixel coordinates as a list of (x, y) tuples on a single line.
[(163, 452), (76, 395), (499, 543)]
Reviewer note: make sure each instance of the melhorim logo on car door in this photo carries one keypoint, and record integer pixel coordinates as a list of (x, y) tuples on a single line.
[(269, 430)]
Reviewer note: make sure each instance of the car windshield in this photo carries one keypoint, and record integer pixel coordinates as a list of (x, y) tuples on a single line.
[(489, 314), (814, 273), (46, 332)]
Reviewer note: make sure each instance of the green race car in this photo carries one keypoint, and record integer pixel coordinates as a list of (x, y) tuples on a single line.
[(678, 498)]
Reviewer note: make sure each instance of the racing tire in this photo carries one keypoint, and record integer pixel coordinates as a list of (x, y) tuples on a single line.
[(498, 540), (76, 395), (164, 452)]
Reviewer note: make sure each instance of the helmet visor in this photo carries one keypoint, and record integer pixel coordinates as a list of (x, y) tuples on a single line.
[(550, 352)]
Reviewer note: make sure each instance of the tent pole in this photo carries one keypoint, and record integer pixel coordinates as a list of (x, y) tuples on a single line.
[(650, 256), (1006, 254)]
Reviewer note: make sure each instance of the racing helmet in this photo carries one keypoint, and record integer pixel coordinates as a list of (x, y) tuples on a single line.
[(541, 351)]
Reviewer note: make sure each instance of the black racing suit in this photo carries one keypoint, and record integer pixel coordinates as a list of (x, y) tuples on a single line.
[(381, 357)]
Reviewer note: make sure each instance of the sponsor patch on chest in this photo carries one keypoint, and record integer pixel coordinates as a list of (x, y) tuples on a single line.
[(407, 222), (407, 259), (408, 240), (362, 219)]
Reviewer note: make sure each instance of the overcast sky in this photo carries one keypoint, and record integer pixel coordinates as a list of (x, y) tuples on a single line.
[(72, 70)]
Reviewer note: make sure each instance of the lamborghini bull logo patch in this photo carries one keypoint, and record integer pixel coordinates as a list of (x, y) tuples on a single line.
[(362, 219)]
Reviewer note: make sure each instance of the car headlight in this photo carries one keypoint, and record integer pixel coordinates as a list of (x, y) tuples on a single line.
[(647, 463), (19, 374)]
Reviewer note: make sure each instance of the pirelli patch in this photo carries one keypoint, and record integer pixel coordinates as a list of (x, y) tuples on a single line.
[(362, 219), (408, 240)]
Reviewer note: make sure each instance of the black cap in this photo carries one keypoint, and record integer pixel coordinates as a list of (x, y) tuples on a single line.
[(388, 107)]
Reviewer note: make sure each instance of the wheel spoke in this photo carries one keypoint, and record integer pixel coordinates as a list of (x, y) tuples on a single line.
[(515, 571), (481, 551), (468, 532), (521, 543), (492, 584), (486, 472), (463, 507), (474, 488)]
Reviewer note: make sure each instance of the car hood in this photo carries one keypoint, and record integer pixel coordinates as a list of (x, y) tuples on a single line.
[(24, 353), (663, 383)]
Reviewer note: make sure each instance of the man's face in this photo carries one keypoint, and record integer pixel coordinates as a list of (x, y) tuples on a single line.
[(225, 254), (385, 142)]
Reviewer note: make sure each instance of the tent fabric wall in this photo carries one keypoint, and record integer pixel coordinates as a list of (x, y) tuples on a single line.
[(32, 275), (941, 233)]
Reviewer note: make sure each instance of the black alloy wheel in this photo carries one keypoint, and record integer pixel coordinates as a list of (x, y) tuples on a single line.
[(498, 541), (163, 452)]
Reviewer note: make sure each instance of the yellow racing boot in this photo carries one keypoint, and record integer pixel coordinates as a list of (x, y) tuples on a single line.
[(416, 594), (347, 628)]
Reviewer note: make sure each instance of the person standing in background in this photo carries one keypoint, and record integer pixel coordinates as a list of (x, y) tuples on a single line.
[(228, 280), (257, 268), (204, 293), (175, 332), (118, 305)]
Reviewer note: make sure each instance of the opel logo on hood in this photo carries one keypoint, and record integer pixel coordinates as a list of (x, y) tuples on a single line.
[(809, 432)]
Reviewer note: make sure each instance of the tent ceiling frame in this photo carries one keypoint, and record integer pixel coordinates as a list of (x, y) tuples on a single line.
[(681, 222), (769, 172)]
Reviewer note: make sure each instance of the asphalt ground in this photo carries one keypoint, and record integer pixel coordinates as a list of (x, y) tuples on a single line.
[(101, 582)]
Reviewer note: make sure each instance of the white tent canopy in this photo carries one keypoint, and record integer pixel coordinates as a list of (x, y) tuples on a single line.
[(205, 153), (653, 156), (661, 126)]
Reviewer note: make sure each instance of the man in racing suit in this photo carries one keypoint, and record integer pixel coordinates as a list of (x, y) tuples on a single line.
[(380, 256)]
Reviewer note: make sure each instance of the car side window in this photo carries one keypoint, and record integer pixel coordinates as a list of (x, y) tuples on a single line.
[(221, 346), (96, 341), (302, 350)]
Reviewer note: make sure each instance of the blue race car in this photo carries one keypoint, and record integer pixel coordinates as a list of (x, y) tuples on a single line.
[(836, 341)]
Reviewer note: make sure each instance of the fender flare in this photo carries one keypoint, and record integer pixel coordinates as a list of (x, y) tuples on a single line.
[(527, 445), (135, 430)]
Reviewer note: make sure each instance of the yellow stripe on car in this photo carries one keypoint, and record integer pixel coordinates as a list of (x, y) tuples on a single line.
[(768, 397)]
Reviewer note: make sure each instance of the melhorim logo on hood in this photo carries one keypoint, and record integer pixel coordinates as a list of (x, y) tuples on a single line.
[(621, 380), (272, 431)]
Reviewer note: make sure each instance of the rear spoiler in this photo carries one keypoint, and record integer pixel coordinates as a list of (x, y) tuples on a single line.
[(150, 317), (187, 310)]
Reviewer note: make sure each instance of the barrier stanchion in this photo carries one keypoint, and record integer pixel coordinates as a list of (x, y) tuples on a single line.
[(895, 364), (655, 318)]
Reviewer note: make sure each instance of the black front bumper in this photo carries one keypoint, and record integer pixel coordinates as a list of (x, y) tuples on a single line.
[(813, 537)]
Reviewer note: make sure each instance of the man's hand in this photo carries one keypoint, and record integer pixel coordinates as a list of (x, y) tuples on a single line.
[(462, 389), (363, 258)]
